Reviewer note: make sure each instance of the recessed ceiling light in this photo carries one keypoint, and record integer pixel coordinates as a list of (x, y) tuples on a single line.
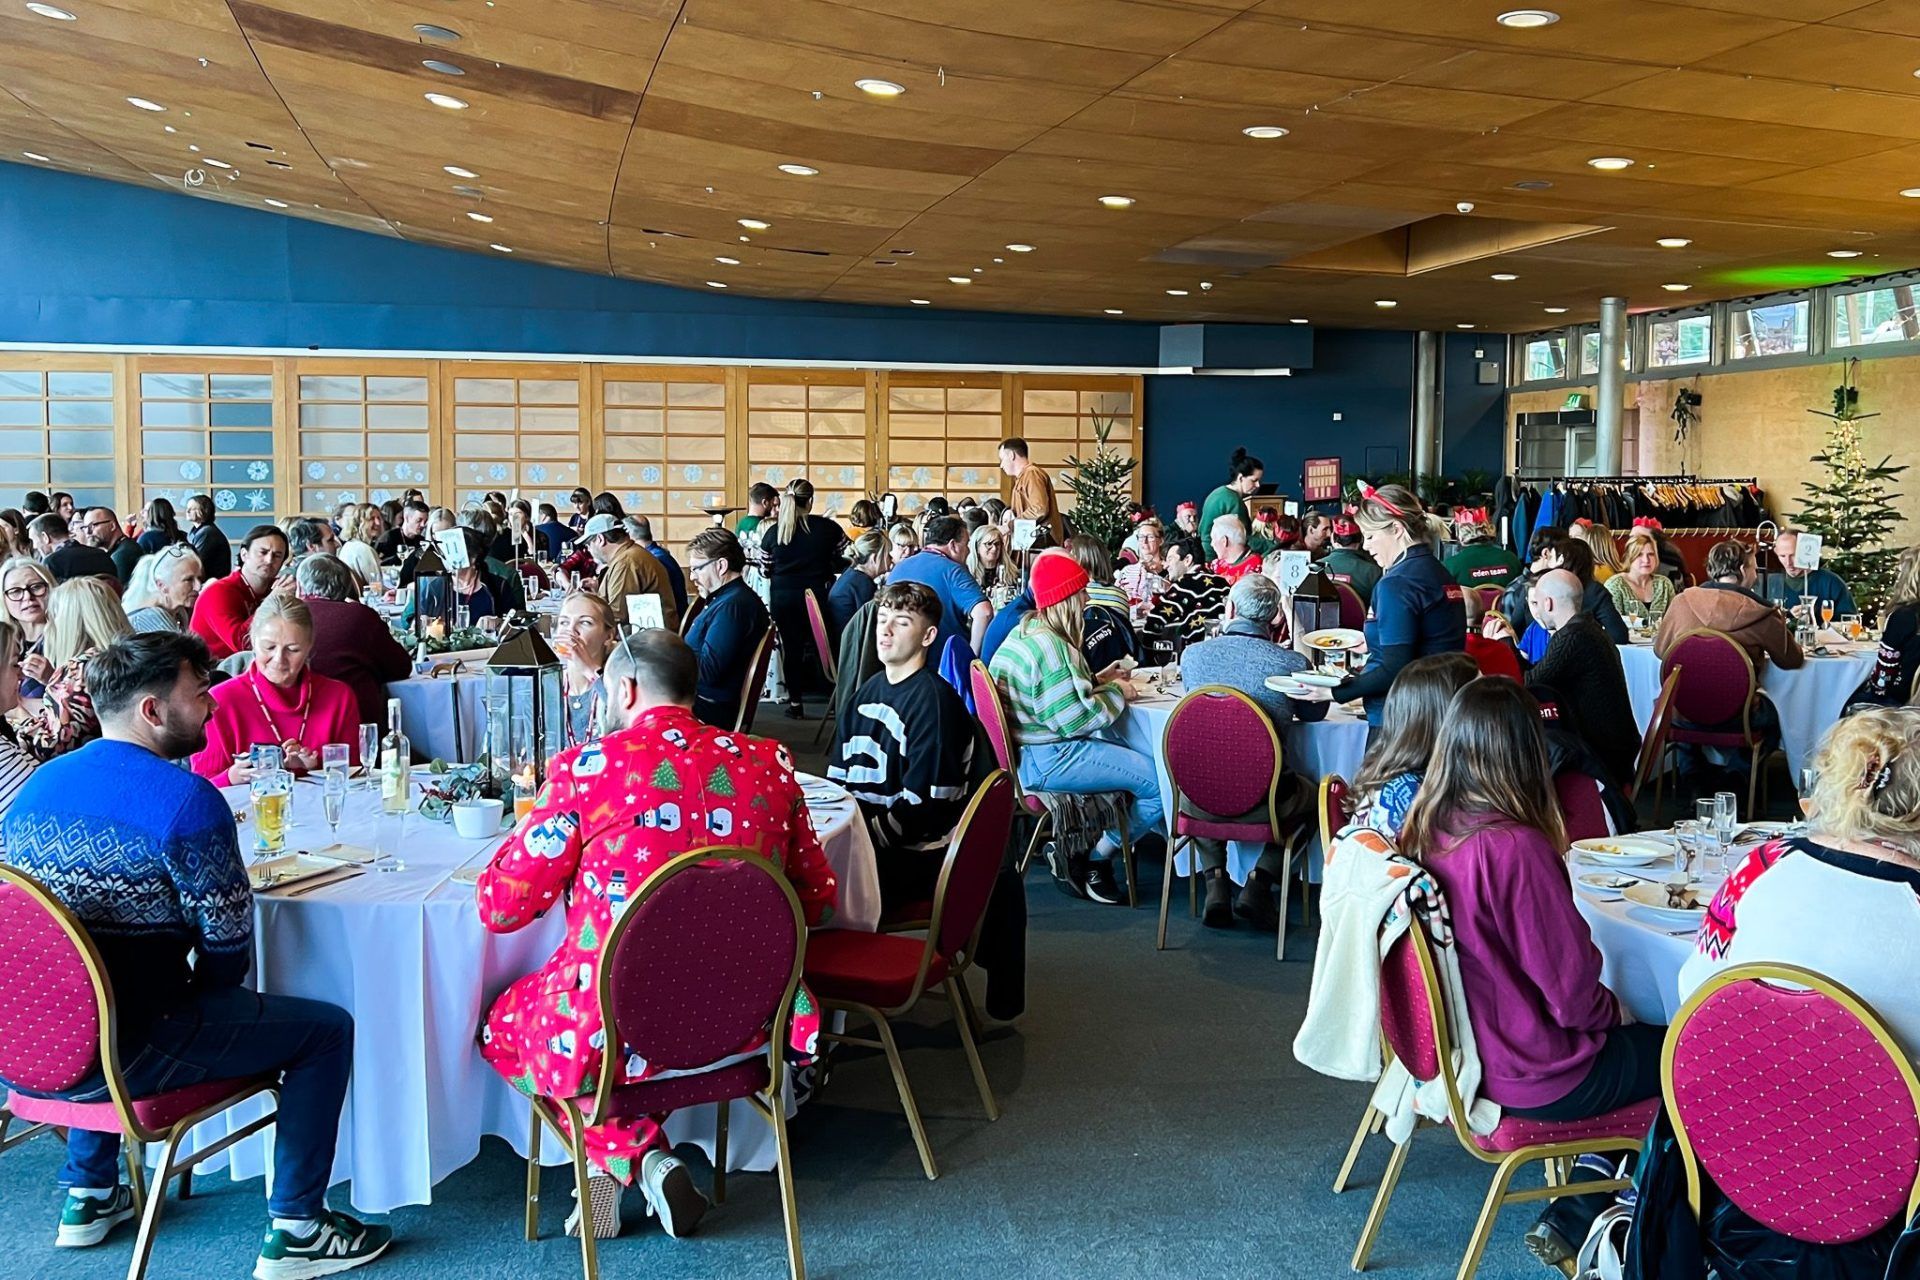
[(880, 88), (1912, 193), (35, 155), (446, 100), (998, 261), (1611, 162), (145, 104), (499, 248), (921, 302), (978, 270), (959, 279), (1843, 253), (1117, 202), (443, 67), (278, 204), (1527, 18), (1265, 131), (727, 262), (1533, 184), (1299, 320), (479, 217), (799, 170), (901, 253), (1463, 326), (48, 11), (1676, 288), (1020, 248), (219, 164), (433, 31), (193, 147), (1555, 311), (754, 224), (1503, 275), (1176, 293), (1385, 302), (1115, 311), (716, 284), (169, 128), (745, 240), (458, 172), (1673, 242)]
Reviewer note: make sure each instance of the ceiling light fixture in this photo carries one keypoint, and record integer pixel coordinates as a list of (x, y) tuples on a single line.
[(446, 100), (978, 270), (278, 204), (1676, 288), (959, 279), (1673, 242), (1533, 184), (479, 217), (1555, 311), (1843, 253), (35, 155), (1176, 293), (1117, 202), (1299, 320), (727, 262), (999, 261), (1463, 326), (48, 11), (458, 172), (716, 284), (1527, 19), (1020, 248), (754, 224), (921, 302), (800, 170), (433, 31), (880, 88), (443, 67), (1611, 163), (499, 248), (1912, 193), (145, 104), (220, 164), (1115, 311), (1503, 276), (1264, 131), (1385, 302)]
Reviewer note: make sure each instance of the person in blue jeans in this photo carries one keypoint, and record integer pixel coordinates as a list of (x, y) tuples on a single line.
[(151, 867)]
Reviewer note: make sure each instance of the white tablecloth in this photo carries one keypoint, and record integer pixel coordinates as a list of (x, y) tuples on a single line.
[(1641, 955), (404, 952), (1311, 748), (444, 717), (1809, 698)]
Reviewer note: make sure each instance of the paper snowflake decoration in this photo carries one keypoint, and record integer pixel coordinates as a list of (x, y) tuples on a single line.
[(849, 475), (191, 470), (537, 473), (380, 495), (226, 500), (258, 470), (693, 474), (258, 499), (353, 468), (498, 471), (403, 471), (649, 475), (316, 470)]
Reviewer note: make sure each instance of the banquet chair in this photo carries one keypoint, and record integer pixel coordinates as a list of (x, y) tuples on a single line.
[(1581, 806), (884, 975), (694, 606), (756, 685), (1717, 688), (817, 621), (1823, 1146), (58, 1027), (1651, 766), (707, 955), (992, 714), (1223, 755), (1353, 610), (1414, 1022), (1489, 596)]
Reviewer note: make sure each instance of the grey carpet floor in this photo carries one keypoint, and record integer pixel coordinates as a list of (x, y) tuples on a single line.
[(1155, 1124)]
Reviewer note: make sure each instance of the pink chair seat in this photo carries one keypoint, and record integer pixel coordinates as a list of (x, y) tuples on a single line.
[(1033, 803), (723, 1084), (1514, 1132), (868, 968), (1186, 824), (158, 1112)]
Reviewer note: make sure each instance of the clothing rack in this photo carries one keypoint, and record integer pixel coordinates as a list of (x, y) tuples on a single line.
[(1669, 479)]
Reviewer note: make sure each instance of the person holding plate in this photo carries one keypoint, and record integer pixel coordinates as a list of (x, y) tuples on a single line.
[(1417, 607)]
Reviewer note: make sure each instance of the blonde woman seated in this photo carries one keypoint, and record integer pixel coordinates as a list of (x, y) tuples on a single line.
[(1143, 576), (362, 528), (1599, 539), (1640, 590), (277, 700), (86, 618), (989, 565), (584, 634), (16, 765), (165, 585), (28, 586), (1844, 899)]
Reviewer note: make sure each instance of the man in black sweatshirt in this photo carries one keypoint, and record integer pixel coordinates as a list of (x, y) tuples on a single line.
[(1582, 664)]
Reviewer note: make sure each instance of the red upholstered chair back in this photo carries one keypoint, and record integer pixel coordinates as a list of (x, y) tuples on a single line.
[(1717, 679), (817, 622), (974, 856), (1406, 1009), (1796, 1102), (1222, 751), (1353, 610), (756, 684), (1489, 596), (993, 717), (1336, 808), (50, 1006), (694, 606), (1581, 807), (706, 957)]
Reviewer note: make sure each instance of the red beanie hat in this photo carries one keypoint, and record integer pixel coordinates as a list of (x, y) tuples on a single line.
[(1056, 575)]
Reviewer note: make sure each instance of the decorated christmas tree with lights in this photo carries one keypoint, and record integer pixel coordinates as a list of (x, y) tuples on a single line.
[(1851, 507)]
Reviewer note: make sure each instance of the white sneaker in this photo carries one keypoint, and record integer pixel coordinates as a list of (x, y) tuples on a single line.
[(340, 1243), (671, 1194), (603, 1189)]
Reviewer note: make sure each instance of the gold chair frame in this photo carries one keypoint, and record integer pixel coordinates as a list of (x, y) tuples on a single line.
[(752, 691), (1757, 772), (817, 623)]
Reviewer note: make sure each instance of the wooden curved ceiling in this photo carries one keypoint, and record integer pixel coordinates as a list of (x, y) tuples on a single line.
[(630, 136)]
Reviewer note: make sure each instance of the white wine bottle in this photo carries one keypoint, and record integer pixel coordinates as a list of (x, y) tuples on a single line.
[(396, 755)]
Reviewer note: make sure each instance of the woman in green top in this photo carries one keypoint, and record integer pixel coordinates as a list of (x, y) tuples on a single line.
[(1230, 499), (1641, 590)]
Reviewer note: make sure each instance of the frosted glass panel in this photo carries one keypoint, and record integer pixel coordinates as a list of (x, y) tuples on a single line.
[(18, 383), (634, 393), (483, 390), (79, 384), (468, 417), (80, 413), (90, 443), (397, 389), (697, 395), (394, 444), (556, 391), (404, 417), (174, 443), (332, 444), (18, 442), (176, 386), (80, 471), (330, 415), (241, 386), (329, 388), (174, 413), (22, 413)]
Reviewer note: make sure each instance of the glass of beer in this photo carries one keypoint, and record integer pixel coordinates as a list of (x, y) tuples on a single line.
[(272, 795)]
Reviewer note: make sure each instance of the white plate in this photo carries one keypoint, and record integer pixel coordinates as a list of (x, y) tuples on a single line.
[(1653, 897), (1605, 885), (1620, 851), (1330, 639), (1319, 679)]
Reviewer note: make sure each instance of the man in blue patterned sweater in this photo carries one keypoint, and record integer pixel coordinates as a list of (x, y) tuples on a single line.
[(146, 855)]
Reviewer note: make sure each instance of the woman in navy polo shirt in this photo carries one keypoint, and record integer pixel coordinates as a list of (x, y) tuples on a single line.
[(1417, 608)]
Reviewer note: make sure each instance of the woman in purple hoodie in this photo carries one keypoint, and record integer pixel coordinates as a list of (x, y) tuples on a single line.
[(1552, 1041)]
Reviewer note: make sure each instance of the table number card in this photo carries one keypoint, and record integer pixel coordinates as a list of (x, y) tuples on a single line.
[(645, 611)]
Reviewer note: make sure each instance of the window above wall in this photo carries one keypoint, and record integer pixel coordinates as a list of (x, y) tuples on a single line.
[(1677, 339)]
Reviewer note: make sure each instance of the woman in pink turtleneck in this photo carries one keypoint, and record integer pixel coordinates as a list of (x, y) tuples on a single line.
[(277, 701)]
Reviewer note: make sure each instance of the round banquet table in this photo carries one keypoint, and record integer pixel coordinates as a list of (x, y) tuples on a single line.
[(405, 953), (1311, 748), (1809, 698), (444, 716)]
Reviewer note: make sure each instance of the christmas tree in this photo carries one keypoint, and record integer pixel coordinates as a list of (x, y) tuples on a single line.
[(1851, 508), (1102, 486)]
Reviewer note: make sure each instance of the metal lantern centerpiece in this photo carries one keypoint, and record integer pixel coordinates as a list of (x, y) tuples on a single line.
[(1316, 605), (432, 595), (526, 701)]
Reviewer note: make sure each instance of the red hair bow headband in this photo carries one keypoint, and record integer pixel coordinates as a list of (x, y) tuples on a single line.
[(1185, 506), (1372, 494), (1645, 522), (1344, 527), (1470, 515)]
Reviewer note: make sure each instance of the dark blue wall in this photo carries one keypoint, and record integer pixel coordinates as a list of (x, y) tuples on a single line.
[(1473, 430)]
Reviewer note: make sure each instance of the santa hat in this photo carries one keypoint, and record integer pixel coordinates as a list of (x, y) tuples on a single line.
[(1056, 576)]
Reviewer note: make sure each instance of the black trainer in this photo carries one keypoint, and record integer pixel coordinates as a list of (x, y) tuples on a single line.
[(1067, 877), (1103, 885)]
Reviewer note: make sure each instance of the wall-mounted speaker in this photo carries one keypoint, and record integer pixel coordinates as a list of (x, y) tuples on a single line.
[(1487, 373)]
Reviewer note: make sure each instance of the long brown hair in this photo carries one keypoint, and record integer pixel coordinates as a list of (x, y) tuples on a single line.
[(1410, 720), (1490, 758)]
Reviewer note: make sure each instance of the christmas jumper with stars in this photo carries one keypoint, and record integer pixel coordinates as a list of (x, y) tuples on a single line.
[(611, 813)]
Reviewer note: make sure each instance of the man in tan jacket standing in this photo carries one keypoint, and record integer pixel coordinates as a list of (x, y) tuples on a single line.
[(627, 569), (1032, 497)]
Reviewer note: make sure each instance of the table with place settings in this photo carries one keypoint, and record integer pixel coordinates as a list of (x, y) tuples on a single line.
[(404, 951)]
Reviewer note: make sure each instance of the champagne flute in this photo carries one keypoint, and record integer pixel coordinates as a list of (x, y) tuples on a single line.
[(1826, 613), (334, 798), (1726, 820), (333, 758)]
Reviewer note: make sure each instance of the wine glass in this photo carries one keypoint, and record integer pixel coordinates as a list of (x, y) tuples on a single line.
[(1726, 821), (333, 797), (1686, 846), (369, 754), (333, 757)]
